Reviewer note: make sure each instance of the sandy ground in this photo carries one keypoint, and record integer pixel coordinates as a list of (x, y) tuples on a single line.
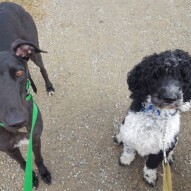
[(91, 45)]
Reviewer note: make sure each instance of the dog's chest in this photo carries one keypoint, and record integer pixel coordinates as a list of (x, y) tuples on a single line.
[(21, 142), (145, 132)]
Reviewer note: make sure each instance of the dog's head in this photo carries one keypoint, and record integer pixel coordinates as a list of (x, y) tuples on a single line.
[(13, 78), (166, 77)]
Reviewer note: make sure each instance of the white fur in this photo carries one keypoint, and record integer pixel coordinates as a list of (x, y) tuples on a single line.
[(143, 131), (185, 107), (150, 175), (24, 141), (128, 155)]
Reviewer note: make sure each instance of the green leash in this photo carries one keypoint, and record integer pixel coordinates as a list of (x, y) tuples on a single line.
[(28, 169)]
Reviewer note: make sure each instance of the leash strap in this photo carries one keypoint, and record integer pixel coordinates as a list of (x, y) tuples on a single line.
[(167, 177), (28, 168)]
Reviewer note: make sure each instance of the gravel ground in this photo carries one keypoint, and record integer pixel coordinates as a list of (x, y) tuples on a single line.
[(91, 45)]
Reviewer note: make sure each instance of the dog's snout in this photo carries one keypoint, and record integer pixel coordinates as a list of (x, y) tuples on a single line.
[(170, 91), (16, 120), (169, 94), (170, 98), (18, 124)]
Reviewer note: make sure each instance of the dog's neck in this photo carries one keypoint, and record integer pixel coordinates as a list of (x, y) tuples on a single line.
[(149, 108)]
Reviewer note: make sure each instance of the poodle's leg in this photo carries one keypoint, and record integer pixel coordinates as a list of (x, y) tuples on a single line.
[(170, 157), (127, 156), (170, 152), (117, 139), (150, 168)]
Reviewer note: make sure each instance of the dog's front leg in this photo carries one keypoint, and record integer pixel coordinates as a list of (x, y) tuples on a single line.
[(17, 156), (49, 87), (127, 156), (37, 59), (43, 171), (150, 168)]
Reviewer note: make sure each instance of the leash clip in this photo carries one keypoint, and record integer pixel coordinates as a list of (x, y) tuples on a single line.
[(164, 155), (163, 141)]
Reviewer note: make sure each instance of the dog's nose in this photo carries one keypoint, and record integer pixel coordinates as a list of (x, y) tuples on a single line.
[(18, 124), (169, 95), (170, 99)]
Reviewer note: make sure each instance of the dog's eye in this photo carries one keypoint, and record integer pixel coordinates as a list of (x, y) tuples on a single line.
[(19, 73)]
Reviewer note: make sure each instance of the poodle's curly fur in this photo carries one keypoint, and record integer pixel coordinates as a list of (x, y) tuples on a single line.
[(145, 76), (160, 88)]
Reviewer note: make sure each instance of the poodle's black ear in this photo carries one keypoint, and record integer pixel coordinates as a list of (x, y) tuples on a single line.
[(185, 72), (187, 86), (138, 77), (136, 83)]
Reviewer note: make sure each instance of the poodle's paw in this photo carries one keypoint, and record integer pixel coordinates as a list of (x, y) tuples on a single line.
[(185, 107), (126, 158), (150, 176), (117, 139), (171, 158)]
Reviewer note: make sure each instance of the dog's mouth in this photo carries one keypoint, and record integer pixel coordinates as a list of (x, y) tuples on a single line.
[(14, 128), (165, 103)]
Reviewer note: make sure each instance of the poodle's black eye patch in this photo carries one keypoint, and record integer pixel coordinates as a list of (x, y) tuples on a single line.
[(158, 73), (183, 75), (172, 72), (155, 76)]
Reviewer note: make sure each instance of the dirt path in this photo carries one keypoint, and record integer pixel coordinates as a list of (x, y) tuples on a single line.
[(91, 46)]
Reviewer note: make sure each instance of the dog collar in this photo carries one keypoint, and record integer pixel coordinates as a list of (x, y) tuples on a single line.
[(150, 108)]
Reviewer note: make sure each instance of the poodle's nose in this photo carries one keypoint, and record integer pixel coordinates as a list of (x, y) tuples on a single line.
[(170, 92), (169, 98)]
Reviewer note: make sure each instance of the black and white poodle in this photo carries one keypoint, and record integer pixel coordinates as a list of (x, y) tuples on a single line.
[(160, 88)]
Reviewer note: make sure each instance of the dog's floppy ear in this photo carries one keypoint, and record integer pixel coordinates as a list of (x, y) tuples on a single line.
[(139, 76), (185, 71), (135, 82), (24, 49), (186, 78)]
